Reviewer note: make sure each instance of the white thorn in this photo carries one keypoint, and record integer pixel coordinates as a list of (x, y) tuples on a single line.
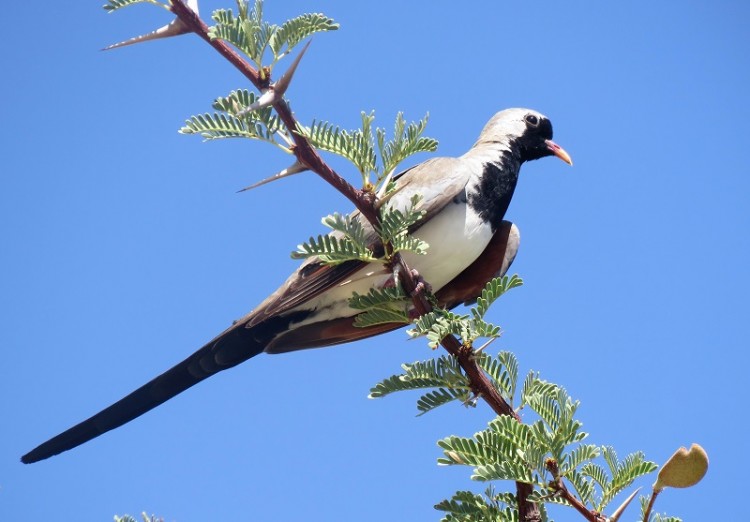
[(616, 515), (485, 345), (283, 84), (295, 168), (384, 185), (384, 198), (268, 98), (174, 28)]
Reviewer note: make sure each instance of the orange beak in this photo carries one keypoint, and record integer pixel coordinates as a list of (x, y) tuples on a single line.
[(558, 151)]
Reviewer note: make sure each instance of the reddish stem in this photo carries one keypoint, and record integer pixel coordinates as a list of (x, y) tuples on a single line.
[(559, 486)]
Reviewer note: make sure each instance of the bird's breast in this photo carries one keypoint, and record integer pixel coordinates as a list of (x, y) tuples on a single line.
[(456, 237)]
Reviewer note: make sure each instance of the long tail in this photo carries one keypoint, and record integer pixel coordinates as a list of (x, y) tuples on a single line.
[(239, 343), (233, 346)]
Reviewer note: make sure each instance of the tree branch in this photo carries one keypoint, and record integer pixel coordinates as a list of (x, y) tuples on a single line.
[(365, 203), (306, 154)]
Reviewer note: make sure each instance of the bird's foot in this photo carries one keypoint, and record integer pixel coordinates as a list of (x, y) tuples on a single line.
[(422, 287)]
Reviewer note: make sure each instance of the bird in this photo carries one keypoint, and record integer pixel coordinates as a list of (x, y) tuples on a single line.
[(464, 200)]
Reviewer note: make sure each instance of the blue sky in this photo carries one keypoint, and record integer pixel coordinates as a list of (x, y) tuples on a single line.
[(126, 248)]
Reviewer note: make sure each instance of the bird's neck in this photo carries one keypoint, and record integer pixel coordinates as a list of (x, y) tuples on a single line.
[(490, 192)]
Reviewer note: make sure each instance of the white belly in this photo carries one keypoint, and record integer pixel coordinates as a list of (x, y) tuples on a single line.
[(456, 237)]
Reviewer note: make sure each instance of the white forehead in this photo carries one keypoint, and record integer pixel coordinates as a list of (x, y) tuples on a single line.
[(509, 122)]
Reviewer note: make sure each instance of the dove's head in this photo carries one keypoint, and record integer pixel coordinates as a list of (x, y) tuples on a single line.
[(527, 130)]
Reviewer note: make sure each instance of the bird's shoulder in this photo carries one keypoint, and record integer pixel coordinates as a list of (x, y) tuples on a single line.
[(438, 181)]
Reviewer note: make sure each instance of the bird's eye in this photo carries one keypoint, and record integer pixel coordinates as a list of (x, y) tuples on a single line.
[(532, 120)]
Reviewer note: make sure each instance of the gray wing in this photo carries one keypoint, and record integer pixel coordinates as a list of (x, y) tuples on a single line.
[(438, 180)]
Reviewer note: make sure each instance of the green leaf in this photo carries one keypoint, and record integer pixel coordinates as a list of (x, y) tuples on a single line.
[(234, 121), (623, 472), (218, 126), (443, 374), (382, 316), (297, 29), (583, 487), (406, 141), (439, 397), (597, 473), (438, 324), (247, 31), (506, 470), (381, 306), (578, 456), (503, 370), (113, 5), (377, 298), (332, 250), (356, 146), (493, 290), (395, 223), (466, 506), (350, 226)]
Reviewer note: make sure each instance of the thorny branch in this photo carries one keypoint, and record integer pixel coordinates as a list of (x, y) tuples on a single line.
[(365, 203)]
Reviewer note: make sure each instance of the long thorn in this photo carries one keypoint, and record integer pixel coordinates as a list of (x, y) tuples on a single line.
[(296, 168), (283, 84), (619, 511), (174, 28)]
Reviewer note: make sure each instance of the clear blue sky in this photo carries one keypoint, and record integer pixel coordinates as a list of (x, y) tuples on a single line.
[(125, 248)]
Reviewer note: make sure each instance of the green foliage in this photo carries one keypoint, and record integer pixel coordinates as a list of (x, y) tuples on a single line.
[(443, 375), (345, 244), (448, 382), (349, 242), (358, 146), (466, 506), (439, 324), (234, 120), (355, 146), (293, 31), (509, 450), (407, 140), (381, 306), (394, 228), (619, 474), (493, 291), (503, 372), (113, 5), (254, 36)]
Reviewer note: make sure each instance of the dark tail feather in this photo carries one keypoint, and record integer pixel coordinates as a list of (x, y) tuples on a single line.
[(235, 345)]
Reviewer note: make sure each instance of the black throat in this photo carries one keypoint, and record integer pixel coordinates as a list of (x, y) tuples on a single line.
[(491, 197)]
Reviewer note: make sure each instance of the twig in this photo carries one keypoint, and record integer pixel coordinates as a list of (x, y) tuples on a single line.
[(559, 486), (650, 507)]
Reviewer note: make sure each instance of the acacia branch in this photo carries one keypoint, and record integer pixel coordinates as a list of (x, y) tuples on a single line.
[(365, 203), (305, 152)]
